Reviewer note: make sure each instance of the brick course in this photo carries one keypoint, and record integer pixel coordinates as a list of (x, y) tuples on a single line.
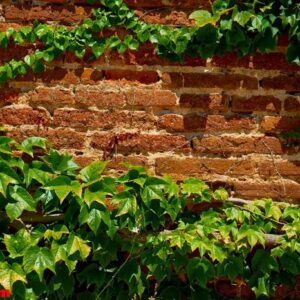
[(220, 119)]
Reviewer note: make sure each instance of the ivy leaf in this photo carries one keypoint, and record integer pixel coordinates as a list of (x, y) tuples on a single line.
[(38, 259), (5, 145), (60, 163), (262, 261), (28, 145), (63, 186), (221, 194), (57, 232), (243, 17), (23, 201), (126, 202), (263, 287), (7, 176), (194, 186), (204, 17), (9, 274), (60, 254), (76, 244), (91, 173), (97, 196), (17, 244), (200, 270)]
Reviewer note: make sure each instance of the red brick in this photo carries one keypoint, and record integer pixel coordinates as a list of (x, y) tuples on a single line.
[(272, 61), (256, 103), (279, 124), (60, 138), (279, 168), (230, 60), (8, 96), (171, 3), (238, 145), (282, 82), (279, 190), (211, 123), (209, 80), (153, 97), (199, 167), (115, 163), (51, 97), (15, 52), (65, 14), (86, 97), (146, 77), (92, 119), (89, 76), (210, 102), (19, 115), (141, 143), (292, 104)]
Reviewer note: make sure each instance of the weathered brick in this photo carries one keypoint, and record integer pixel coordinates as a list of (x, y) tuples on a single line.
[(146, 77), (211, 123), (205, 102), (279, 124), (153, 97), (19, 115), (238, 145), (292, 104), (51, 97), (140, 143), (60, 138), (8, 96), (231, 60), (210, 80), (272, 61), (279, 168), (203, 166), (85, 119), (280, 190), (256, 103), (87, 97), (65, 14), (282, 82)]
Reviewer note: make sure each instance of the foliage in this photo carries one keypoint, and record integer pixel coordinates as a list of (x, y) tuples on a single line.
[(66, 232), (233, 25)]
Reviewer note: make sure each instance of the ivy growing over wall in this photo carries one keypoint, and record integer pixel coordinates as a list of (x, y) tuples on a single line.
[(67, 232), (232, 25)]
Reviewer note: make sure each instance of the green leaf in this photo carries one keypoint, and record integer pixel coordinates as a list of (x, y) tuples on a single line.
[(60, 254), (28, 145), (60, 163), (17, 244), (194, 186), (9, 274), (126, 203), (200, 270), (76, 244), (57, 232), (204, 17), (38, 259), (63, 186), (23, 201), (91, 173)]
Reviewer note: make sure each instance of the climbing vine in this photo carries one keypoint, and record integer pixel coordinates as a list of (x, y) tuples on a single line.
[(67, 232), (232, 25)]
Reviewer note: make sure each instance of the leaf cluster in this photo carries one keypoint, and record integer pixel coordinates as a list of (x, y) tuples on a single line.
[(67, 232), (241, 26)]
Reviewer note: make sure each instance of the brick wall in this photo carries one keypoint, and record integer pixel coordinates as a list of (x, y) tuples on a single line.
[(220, 120)]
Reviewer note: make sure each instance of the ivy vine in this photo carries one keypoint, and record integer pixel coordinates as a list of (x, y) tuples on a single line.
[(71, 233), (232, 25)]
